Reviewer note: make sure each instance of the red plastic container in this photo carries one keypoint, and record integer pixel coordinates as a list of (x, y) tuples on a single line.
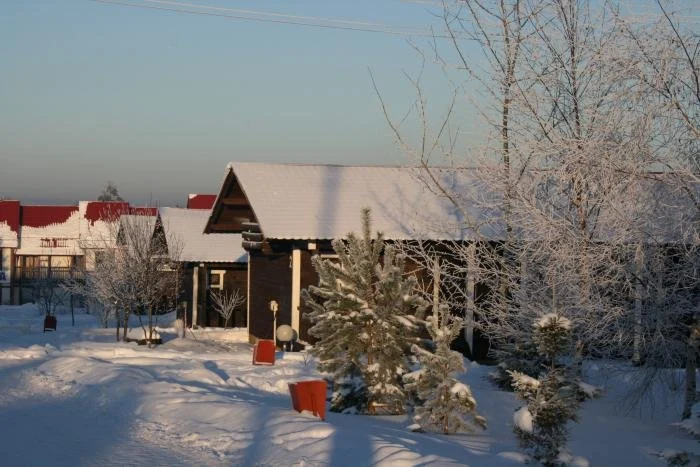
[(309, 395), (50, 323), (264, 352)]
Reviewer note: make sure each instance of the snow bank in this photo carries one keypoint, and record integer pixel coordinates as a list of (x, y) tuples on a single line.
[(522, 418), (200, 401)]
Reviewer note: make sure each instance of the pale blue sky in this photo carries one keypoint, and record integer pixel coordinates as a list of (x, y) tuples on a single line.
[(158, 102)]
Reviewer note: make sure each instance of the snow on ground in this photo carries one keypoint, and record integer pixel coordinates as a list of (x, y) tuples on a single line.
[(77, 397)]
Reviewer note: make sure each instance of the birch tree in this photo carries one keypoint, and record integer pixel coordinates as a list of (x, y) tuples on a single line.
[(134, 271), (597, 107)]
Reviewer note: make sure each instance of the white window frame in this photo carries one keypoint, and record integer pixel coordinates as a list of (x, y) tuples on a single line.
[(221, 273)]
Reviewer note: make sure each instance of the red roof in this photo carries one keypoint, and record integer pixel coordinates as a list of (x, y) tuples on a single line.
[(41, 216), (9, 213), (201, 201), (107, 211)]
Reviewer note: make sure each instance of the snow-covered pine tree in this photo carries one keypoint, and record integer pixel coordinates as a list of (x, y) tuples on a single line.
[(364, 313), (447, 405), (553, 399)]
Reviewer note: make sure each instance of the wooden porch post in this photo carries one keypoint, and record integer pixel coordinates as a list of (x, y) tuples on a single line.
[(296, 288), (195, 294)]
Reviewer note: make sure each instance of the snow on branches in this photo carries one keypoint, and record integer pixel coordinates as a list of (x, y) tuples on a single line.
[(447, 405), (365, 314)]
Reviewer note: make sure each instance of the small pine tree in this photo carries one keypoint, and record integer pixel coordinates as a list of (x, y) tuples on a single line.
[(447, 404), (364, 313), (522, 358), (551, 400)]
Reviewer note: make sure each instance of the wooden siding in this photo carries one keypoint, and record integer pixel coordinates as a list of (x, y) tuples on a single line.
[(236, 277), (270, 279), (231, 210)]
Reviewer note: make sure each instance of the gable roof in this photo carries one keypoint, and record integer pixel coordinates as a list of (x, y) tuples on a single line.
[(187, 226), (305, 201)]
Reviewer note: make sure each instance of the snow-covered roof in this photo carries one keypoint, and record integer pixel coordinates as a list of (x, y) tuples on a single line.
[(295, 201), (9, 223), (61, 230), (138, 220), (187, 227), (49, 230)]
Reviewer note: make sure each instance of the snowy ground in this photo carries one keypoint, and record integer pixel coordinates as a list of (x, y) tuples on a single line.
[(76, 397)]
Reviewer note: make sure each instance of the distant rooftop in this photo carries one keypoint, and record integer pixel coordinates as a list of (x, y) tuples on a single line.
[(200, 201)]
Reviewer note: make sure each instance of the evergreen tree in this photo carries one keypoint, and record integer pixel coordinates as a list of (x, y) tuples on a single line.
[(110, 193), (551, 400), (364, 313), (448, 405)]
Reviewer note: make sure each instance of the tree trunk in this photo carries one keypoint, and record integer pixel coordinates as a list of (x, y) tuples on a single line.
[(690, 372), (118, 327), (126, 324), (72, 313), (638, 304)]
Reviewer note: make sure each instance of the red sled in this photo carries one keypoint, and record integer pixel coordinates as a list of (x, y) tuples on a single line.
[(309, 395), (264, 352)]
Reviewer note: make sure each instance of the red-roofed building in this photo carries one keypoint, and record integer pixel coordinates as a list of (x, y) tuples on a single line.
[(37, 242), (44, 216), (9, 217), (199, 201), (9, 234), (105, 210)]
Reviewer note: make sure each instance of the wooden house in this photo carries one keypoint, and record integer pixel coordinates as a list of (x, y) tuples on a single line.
[(288, 213), (210, 262)]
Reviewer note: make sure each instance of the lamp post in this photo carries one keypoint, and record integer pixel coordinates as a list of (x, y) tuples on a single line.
[(274, 306)]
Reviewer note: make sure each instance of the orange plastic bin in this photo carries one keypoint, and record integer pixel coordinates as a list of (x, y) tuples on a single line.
[(309, 395), (264, 352)]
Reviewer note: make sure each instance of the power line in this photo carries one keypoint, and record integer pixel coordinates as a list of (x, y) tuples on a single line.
[(259, 13), (278, 18)]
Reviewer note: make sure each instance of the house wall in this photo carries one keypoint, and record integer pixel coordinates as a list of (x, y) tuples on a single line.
[(235, 277), (270, 279)]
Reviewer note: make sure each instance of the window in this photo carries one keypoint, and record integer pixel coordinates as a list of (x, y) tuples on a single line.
[(32, 262), (216, 279)]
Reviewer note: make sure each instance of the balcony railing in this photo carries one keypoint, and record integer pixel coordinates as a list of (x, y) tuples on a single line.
[(43, 273)]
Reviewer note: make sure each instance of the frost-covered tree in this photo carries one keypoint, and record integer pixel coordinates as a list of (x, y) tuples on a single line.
[(365, 315), (552, 399), (134, 271), (447, 405), (591, 110), (225, 303), (48, 295)]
